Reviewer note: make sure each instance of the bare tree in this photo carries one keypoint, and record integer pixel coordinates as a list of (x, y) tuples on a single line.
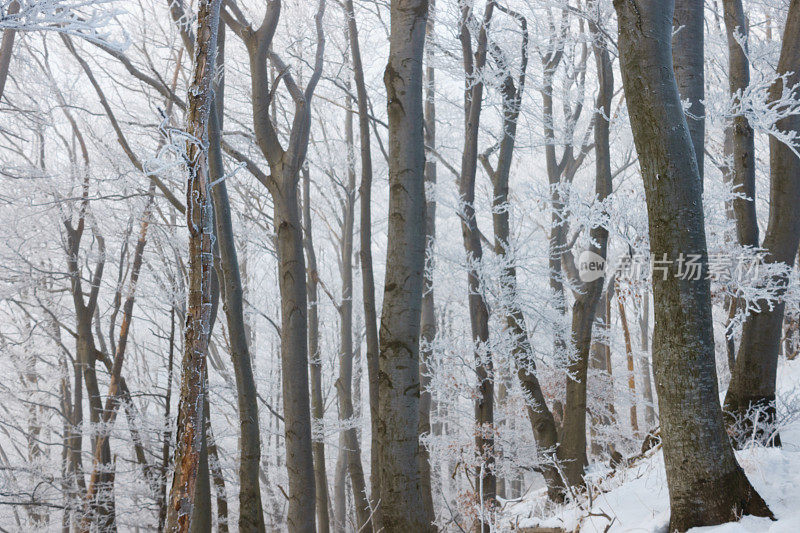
[(365, 253), (398, 408), (282, 183), (706, 484), (185, 512), (753, 380), (474, 64)]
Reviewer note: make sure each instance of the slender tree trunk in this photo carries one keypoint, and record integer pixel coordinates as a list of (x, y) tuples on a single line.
[(626, 333), (571, 450), (167, 437), (485, 480), (365, 256), (101, 460), (344, 385), (251, 517), (743, 170), (315, 362), (398, 407), (706, 484), (184, 512), (216, 477), (753, 380), (599, 362), (540, 416), (687, 58), (644, 364), (428, 319)]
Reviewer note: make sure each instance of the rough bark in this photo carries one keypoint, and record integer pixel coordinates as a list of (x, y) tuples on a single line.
[(753, 380), (191, 453), (706, 484), (398, 404)]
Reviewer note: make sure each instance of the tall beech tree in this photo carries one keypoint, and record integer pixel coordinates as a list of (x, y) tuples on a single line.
[(398, 398), (285, 165), (706, 484)]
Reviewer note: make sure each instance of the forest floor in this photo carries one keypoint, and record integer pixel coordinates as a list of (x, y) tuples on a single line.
[(635, 498)]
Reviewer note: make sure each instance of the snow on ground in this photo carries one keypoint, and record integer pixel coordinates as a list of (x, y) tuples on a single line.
[(635, 499)]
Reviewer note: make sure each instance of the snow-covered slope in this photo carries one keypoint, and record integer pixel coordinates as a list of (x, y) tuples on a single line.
[(636, 498)]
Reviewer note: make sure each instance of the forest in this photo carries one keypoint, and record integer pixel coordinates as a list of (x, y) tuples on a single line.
[(399, 266)]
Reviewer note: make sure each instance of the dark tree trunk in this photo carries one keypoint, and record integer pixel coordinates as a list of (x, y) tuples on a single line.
[(7, 47), (315, 363), (706, 484), (294, 350), (753, 380), (485, 480), (742, 138), (365, 256), (251, 517), (572, 448)]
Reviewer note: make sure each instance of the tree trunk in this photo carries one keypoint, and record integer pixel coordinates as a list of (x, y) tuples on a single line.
[(687, 59), (743, 171), (572, 448), (185, 512), (7, 47), (753, 380), (706, 484), (398, 408), (485, 480), (540, 416), (428, 318), (626, 333), (315, 363), (251, 517), (644, 364), (344, 385), (294, 350), (365, 256)]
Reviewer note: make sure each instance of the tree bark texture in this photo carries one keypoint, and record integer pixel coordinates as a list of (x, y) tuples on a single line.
[(398, 417), (191, 453), (706, 484)]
